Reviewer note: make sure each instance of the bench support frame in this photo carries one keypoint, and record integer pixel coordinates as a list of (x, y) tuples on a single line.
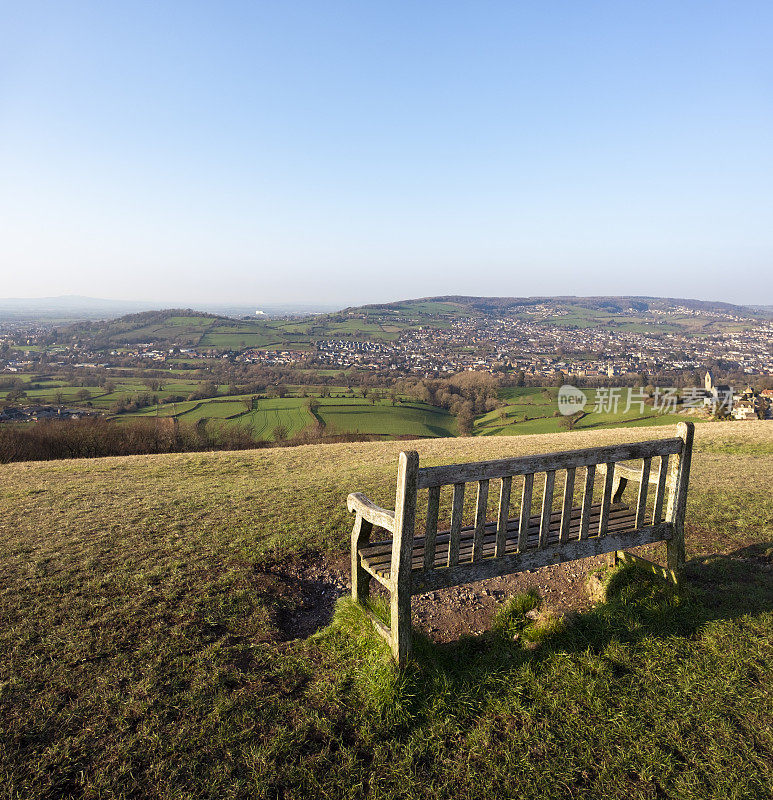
[(402, 583)]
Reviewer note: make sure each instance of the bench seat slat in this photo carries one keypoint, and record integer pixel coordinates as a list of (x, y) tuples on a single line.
[(377, 556), (618, 519), (385, 545), (534, 559), (489, 545)]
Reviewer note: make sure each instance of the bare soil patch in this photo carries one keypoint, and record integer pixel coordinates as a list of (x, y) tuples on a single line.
[(307, 591)]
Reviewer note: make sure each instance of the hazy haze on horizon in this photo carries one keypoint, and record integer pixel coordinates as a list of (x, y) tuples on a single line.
[(346, 153)]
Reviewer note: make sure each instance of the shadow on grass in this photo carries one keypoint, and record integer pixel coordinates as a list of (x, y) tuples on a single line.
[(637, 605), (470, 673)]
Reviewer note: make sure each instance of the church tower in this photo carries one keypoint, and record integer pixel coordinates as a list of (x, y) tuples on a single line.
[(708, 381)]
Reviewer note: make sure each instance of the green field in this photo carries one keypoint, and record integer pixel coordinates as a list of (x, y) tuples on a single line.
[(146, 647), (125, 388), (339, 415), (540, 406), (255, 333), (288, 412), (405, 419)]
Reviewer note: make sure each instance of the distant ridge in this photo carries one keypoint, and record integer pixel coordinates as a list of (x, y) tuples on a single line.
[(74, 308), (599, 302)]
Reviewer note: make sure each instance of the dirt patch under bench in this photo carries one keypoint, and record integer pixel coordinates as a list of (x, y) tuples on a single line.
[(312, 586)]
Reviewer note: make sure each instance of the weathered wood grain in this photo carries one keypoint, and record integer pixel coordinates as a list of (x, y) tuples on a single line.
[(367, 509), (504, 512), (606, 498), (525, 516), (481, 504), (378, 571), (644, 482), (360, 576), (660, 492), (587, 500), (457, 473), (465, 554), (566, 508), (547, 505), (534, 559), (621, 520), (402, 547), (457, 509), (430, 529), (675, 548), (384, 546)]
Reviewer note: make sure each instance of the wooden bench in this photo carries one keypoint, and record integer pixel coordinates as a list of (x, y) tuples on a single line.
[(408, 563)]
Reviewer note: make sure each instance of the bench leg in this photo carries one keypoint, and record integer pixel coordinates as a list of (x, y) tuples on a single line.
[(400, 618), (675, 553), (360, 578)]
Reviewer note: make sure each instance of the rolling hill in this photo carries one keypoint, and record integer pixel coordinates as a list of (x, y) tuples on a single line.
[(385, 322)]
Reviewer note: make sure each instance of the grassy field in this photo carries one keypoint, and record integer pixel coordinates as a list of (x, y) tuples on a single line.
[(383, 419), (356, 415), (124, 387), (288, 412), (531, 410), (143, 603), (340, 415)]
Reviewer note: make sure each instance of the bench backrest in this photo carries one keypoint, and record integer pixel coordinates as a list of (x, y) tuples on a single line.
[(577, 535)]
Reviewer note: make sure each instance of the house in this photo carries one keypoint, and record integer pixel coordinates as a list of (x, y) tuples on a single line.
[(744, 410)]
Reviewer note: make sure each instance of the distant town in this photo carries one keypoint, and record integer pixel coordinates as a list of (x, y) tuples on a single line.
[(398, 363), (530, 342)]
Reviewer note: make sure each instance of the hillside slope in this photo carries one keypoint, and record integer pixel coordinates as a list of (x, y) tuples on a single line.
[(143, 652)]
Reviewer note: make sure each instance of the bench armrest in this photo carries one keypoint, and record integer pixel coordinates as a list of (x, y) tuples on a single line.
[(629, 473), (368, 510)]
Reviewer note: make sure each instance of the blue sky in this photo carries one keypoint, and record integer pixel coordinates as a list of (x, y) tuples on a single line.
[(370, 151)]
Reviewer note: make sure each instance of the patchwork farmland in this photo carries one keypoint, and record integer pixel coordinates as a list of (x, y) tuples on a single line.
[(337, 415), (526, 410)]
